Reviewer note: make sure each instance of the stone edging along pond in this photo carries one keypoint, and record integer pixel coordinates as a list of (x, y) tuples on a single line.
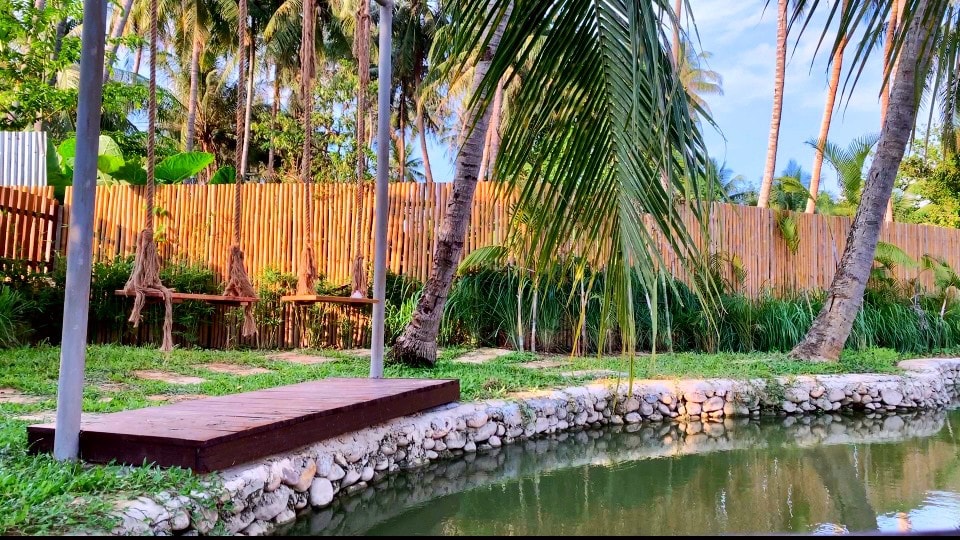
[(257, 497)]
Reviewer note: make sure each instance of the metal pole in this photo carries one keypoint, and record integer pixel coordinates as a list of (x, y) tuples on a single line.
[(66, 444), (384, 76)]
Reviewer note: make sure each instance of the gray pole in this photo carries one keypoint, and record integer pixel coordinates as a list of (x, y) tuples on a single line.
[(384, 76), (66, 445)]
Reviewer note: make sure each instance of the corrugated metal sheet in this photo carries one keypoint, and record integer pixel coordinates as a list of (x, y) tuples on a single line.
[(23, 158)]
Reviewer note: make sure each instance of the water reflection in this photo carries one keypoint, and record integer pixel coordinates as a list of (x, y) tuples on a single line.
[(827, 474)]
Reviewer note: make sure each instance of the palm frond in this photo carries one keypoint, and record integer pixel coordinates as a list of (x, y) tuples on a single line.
[(600, 140)]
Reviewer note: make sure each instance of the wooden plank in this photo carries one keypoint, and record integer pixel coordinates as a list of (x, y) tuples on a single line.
[(321, 299), (179, 297), (219, 432)]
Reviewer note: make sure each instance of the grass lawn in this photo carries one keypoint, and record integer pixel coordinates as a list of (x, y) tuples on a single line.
[(39, 495)]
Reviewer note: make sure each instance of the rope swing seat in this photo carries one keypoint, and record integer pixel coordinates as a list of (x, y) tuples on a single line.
[(307, 271), (144, 283)]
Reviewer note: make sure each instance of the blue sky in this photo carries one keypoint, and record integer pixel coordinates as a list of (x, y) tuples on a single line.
[(742, 39)]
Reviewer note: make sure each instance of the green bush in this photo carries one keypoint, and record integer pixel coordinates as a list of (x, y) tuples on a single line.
[(14, 309)]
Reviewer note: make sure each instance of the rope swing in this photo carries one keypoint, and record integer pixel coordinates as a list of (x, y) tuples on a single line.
[(238, 282), (145, 278), (307, 273), (361, 49)]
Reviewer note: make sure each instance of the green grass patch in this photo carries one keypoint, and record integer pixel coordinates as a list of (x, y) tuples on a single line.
[(40, 495)]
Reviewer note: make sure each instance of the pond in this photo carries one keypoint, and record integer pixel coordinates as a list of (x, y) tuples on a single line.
[(827, 474)]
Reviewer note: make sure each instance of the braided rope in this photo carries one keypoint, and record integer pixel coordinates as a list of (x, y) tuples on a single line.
[(242, 47), (238, 282), (361, 46), (145, 277), (307, 273), (152, 118)]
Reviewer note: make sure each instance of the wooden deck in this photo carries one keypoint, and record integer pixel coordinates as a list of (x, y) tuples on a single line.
[(220, 432)]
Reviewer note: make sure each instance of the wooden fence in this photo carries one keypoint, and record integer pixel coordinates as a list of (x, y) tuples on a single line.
[(29, 226), (195, 223)]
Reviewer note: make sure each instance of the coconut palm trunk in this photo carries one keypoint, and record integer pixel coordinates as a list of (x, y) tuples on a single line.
[(274, 111), (774, 138), (830, 330), (117, 32), (677, 10), (896, 19), (422, 129), (817, 169), (418, 343), (194, 90)]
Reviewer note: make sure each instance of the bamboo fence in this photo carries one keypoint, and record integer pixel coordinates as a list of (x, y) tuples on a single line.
[(194, 224)]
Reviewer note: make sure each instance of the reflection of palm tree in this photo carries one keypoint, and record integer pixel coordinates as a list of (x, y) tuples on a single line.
[(847, 491)]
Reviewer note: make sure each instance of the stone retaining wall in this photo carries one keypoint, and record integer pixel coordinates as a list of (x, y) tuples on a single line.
[(258, 497)]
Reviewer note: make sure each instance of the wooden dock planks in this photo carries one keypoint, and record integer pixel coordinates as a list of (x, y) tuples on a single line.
[(220, 432)]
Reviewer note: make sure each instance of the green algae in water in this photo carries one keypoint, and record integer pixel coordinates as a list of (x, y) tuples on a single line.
[(826, 474)]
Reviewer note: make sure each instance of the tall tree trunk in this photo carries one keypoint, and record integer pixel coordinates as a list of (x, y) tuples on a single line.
[(520, 330), (830, 330), (401, 144), (825, 123), (115, 35), (137, 56), (418, 343), (896, 19), (677, 11), (494, 134), (533, 317), (274, 111), (194, 90), (248, 104), (771, 164), (422, 128)]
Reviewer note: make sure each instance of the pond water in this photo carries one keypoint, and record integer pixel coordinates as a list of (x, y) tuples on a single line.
[(828, 474)]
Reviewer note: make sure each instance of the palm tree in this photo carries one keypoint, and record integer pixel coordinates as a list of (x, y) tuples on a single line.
[(778, 81), (848, 163), (597, 123), (418, 343), (834, 85), (831, 328), (696, 79)]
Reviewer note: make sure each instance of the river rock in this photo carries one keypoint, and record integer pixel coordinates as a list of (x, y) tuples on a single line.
[(891, 397), (713, 404), (486, 431), (336, 473), (286, 516), (455, 440), (633, 418), (271, 504), (350, 479), (306, 476), (836, 394), (478, 420)]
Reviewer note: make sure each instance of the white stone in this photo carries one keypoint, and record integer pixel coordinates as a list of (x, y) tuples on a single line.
[(631, 405), (477, 420), (238, 522), (891, 397), (272, 504), (366, 474), (470, 446), (287, 516), (633, 418), (486, 431), (494, 441), (713, 404), (694, 408), (336, 473), (321, 492), (836, 394), (350, 479), (455, 440)]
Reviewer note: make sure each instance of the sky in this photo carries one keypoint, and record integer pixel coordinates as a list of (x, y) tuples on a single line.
[(742, 38)]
